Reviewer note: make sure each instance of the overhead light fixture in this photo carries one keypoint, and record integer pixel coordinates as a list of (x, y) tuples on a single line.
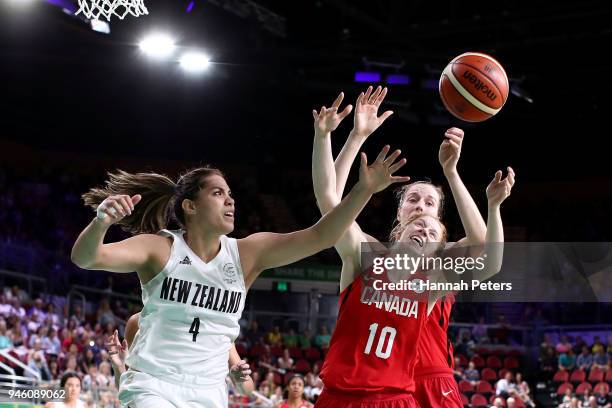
[(157, 45), (194, 62)]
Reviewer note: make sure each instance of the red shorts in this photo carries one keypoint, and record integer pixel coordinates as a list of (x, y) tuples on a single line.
[(437, 392), (329, 399)]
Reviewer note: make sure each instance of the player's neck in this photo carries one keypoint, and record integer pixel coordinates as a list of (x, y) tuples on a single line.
[(206, 246)]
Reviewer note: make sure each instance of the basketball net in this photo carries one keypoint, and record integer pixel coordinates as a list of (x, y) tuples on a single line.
[(92, 9)]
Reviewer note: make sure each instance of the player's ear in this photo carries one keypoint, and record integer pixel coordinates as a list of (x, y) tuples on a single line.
[(188, 206)]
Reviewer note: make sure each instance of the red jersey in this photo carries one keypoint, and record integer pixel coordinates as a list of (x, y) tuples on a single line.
[(435, 348), (374, 346)]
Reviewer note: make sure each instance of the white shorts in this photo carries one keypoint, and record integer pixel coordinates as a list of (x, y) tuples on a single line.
[(142, 390)]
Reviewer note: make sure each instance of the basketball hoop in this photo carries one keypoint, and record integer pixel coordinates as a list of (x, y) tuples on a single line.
[(92, 9)]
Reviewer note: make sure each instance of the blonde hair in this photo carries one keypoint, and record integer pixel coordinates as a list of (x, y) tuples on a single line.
[(399, 229)]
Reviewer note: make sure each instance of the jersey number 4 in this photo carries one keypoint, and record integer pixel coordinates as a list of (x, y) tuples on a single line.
[(195, 327), (384, 333)]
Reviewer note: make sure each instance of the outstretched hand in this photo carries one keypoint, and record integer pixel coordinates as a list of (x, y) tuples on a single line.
[(379, 175), (498, 190), (366, 111), (328, 119), (450, 149)]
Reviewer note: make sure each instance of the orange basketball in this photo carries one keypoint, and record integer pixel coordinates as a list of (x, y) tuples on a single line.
[(474, 87)]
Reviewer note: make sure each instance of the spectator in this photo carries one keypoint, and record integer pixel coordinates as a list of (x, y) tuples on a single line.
[(312, 390), (564, 346), (567, 399), (545, 345), (38, 367), (601, 359), (5, 306), (458, 370), (5, 336), (523, 391), (471, 374), (105, 314), (253, 335), (16, 309), (52, 317), (37, 308), (285, 361), (90, 381), (465, 344), (497, 403), (77, 315), (597, 345), (585, 359), (567, 361), (277, 397), (579, 344), (322, 340), (290, 339), (38, 336), (274, 337), (305, 339), (479, 331), (504, 385), (105, 378)]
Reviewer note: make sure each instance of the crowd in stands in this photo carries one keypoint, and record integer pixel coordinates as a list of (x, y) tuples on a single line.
[(580, 371)]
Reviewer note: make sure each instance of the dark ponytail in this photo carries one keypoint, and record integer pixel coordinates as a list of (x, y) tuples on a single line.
[(161, 201), (152, 212)]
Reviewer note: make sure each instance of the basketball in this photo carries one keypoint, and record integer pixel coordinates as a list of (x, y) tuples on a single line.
[(474, 87)]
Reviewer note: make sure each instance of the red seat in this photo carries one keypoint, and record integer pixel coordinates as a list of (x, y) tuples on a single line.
[(277, 379), (484, 387), (286, 377), (609, 375), (515, 353), (518, 403), (312, 354), (302, 366), (277, 351), (465, 400), (578, 376), (257, 350), (465, 386), (511, 363), (563, 387), (463, 361), (561, 376), (499, 352), (596, 375), (582, 387), (602, 389), (478, 400), (494, 362), (295, 352), (488, 374), (478, 361)]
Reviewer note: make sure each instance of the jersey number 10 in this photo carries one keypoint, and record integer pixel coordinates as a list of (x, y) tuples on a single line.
[(386, 331)]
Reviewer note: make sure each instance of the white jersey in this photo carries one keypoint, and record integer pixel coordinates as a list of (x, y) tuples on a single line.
[(190, 315)]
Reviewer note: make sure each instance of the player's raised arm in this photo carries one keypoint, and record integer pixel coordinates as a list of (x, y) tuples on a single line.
[(366, 121), (473, 223), (138, 203), (268, 250), (323, 172)]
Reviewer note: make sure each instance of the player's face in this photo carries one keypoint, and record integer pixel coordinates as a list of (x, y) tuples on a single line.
[(215, 206), (73, 389), (296, 387), (419, 199), (423, 233)]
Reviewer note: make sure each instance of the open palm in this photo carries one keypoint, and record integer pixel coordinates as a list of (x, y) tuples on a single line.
[(366, 119)]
